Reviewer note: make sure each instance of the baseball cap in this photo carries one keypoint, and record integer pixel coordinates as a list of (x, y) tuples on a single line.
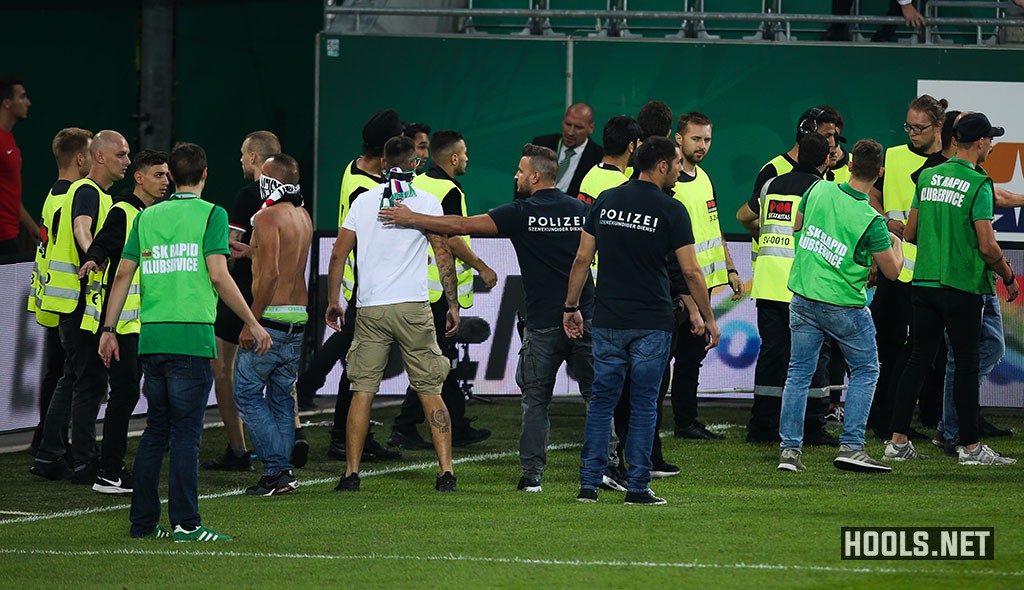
[(381, 127), (974, 126)]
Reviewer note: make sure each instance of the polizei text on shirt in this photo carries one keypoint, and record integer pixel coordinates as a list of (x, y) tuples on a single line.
[(563, 223), (629, 220)]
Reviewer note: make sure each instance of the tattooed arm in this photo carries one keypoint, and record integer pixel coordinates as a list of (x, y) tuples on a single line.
[(446, 271)]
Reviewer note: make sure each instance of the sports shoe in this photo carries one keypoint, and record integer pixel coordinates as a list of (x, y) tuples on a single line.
[(904, 452), (858, 460), (229, 461), (822, 438), (989, 430), (300, 449), (528, 485), (835, 416), (789, 460), (56, 471), (85, 474), (158, 533), (119, 482), (939, 438), (586, 496), (200, 533), (642, 498), (348, 483), (664, 469), (274, 485), (983, 455), (613, 480), (446, 482), (697, 431), (372, 450), (470, 436), (410, 441)]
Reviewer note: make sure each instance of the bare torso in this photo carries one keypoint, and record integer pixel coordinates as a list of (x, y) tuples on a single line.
[(281, 237)]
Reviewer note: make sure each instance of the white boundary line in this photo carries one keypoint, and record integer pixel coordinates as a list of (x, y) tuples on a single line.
[(303, 482), (693, 565)]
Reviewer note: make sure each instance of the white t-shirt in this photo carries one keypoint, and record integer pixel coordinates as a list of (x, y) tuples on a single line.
[(391, 261)]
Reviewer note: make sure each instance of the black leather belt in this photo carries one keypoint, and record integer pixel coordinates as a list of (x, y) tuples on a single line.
[(282, 326)]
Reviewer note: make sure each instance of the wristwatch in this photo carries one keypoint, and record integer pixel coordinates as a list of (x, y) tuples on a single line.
[(570, 308), (111, 329)]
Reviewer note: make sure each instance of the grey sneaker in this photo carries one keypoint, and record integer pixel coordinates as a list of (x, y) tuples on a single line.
[(983, 455), (789, 460), (905, 452), (850, 459)]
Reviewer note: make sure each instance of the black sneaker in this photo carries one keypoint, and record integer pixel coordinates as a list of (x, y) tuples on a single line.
[(528, 485), (229, 461), (409, 441), (348, 483), (470, 436), (613, 479), (274, 485), (56, 471), (697, 431), (586, 496), (760, 436), (446, 482), (988, 430), (372, 450), (85, 475), (821, 438), (664, 469), (641, 498), (113, 482), (300, 449)]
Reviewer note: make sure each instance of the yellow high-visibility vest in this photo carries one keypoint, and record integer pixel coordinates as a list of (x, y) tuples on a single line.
[(353, 179), (128, 322), (463, 272), (897, 195)]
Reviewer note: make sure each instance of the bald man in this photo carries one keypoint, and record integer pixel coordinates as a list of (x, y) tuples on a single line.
[(82, 387), (577, 152)]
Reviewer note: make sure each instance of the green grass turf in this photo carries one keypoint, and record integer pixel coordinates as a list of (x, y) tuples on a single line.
[(732, 521)]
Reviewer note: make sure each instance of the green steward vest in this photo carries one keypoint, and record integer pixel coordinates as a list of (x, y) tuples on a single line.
[(440, 187), (173, 275), (698, 196), (351, 181), (898, 194), (61, 287), (824, 268), (947, 242), (128, 322), (41, 266), (775, 246)]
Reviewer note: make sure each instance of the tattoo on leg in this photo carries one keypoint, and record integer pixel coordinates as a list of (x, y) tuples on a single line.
[(439, 419)]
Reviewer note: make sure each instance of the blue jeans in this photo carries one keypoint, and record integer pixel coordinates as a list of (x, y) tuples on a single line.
[(853, 331), (990, 351), (644, 353), (270, 417), (177, 388)]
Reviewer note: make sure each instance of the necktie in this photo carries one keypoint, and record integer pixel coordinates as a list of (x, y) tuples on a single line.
[(564, 164)]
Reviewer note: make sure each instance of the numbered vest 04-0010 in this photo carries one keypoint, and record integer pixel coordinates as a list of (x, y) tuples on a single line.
[(782, 166), (698, 196), (775, 246), (897, 195), (128, 322), (464, 273)]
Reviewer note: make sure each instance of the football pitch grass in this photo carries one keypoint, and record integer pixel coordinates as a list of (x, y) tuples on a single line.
[(732, 521)]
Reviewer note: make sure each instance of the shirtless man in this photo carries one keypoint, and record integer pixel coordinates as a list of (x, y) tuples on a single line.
[(282, 232)]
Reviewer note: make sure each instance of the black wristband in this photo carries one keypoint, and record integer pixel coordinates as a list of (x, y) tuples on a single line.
[(111, 329), (733, 270), (1013, 278), (570, 308)]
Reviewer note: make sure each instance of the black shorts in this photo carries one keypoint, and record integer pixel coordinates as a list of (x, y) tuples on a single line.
[(227, 326)]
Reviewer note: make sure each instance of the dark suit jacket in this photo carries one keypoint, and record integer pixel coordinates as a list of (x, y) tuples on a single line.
[(591, 157)]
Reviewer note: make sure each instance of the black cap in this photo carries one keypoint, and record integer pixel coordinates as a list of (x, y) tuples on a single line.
[(381, 127), (974, 126)]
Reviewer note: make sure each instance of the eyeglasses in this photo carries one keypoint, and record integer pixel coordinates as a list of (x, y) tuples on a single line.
[(915, 129)]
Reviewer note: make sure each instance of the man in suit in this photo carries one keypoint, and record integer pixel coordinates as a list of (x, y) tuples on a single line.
[(577, 153)]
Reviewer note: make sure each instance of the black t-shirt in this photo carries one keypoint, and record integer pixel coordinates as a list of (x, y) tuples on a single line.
[(795, 178), (545, 231), (636, 226), (767, 173), (59, 188), (85, 201), (247, 202), (932, 161)]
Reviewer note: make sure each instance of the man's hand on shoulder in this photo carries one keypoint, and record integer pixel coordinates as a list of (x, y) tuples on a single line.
[(397, 215)]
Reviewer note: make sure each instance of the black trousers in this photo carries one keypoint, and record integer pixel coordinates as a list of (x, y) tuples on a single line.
[(687, 353), (124, 396), (54, 359), (959, 314), (412, 410)]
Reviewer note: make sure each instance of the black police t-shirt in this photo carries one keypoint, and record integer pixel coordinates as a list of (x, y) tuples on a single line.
[(636, 226), (545, 231), (247, 203)]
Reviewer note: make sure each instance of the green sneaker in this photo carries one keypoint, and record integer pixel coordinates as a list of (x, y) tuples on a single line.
[(199, 534), (158, 533)]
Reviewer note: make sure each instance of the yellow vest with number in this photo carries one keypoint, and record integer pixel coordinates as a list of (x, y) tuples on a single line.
[(128, 322), (44, 318), (597, 180), (62, 287), (463, 272), (897, 195), (353, 179), (782, 166), (775, 246), (698, 196)]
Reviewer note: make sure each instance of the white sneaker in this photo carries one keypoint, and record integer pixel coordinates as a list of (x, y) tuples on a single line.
[(904, 452), (983, 455)]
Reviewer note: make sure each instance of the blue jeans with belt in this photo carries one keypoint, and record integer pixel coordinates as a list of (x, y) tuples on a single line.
[(644, 353)]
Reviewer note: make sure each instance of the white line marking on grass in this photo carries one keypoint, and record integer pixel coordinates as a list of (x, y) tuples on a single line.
[(303, 482), (511, 560), (18, 513)]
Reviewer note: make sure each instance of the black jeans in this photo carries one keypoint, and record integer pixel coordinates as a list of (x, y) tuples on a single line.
[(688, 353), (54, 359), (412, 410), (959, 314), (77, 397), (124, 396)]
